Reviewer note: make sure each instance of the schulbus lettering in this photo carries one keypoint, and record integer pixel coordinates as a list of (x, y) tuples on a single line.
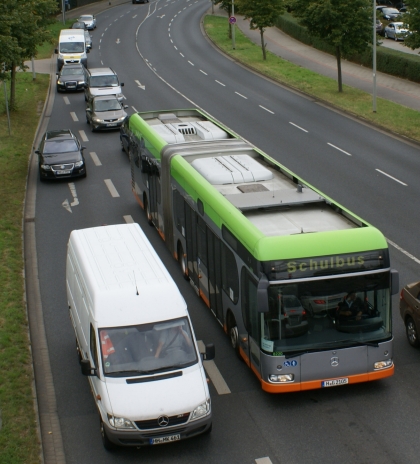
[(334, 262)]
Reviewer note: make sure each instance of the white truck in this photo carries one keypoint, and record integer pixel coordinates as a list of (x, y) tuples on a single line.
[(71, 48), (135, 339)]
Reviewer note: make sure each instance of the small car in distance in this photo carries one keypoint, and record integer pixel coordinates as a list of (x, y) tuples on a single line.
[(390, 14), (89, 20), (396, 31), (410, 312), (88, 40), (60, 155), (79, 25), (105, 112), (71, 77)]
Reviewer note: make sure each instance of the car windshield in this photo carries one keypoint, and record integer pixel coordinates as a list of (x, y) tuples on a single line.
[(72, 47), (60, 146), (313, 314), (71, 71), (103, 81), (85, 18), (147, 349), (106, 105)]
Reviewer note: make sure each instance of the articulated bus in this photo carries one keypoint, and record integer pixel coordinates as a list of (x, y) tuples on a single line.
[(300, 284)]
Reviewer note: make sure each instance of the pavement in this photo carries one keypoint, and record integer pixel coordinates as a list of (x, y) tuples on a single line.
[(401, 91)]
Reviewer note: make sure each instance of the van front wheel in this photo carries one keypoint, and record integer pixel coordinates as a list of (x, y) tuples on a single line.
[(108, 445)]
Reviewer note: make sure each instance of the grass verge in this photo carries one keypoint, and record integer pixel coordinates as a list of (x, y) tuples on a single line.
[(390, 116), (18, 436)]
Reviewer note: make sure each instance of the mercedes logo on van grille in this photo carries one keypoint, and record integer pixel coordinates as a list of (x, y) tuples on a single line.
[(334, 361), (163, 421)]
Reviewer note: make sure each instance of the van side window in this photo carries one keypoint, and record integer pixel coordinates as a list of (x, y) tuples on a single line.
[(93, 346)]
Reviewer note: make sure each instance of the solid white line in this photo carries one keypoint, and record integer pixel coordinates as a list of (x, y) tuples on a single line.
[(265, 460), (95, 158), (213, 372), (83, 136), (406, 253), (192, 64), (220, 83), (203, 72), (111, 188), (393, 178), (66, 100), (128, 219), (74, 116), (339, 149), (134, 109), (301, 128), (243, 96), (266, 109)]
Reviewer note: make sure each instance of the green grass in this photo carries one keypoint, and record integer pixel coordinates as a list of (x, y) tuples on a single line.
[(47, 49), (390, 116), (18, 436)]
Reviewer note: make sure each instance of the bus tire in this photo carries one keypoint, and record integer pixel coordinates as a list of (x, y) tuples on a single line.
[(411, 331), (182, 259), (233, 334), (146, 210)]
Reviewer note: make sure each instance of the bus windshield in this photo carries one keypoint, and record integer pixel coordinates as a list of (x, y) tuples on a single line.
[(319, 314), (147, 348)]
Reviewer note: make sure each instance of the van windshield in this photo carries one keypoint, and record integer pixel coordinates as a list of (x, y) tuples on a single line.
[(72, 47), (147, 348), (103, 81)]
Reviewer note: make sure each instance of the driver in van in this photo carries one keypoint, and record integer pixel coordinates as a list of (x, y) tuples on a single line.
[(174, 338)]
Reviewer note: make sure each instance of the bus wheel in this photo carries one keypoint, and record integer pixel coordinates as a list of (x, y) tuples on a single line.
[(182, 259), (146, 209), (233, 333), (411, 330)]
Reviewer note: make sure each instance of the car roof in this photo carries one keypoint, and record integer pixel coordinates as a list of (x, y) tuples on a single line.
[(100, 71), (86, 16), (59, 134), (105, 97), (73, 65)]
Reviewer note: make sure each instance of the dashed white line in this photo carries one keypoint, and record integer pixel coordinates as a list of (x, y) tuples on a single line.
[(339, 149), (272, 112), (176, 48), (192, 64), (128, 219), (391, 177), (66, 100), (220, 83), (203, 72), (95, 158), (111, 188), (243, 96), (83, 136), (135, 16), (74, 116), (181, 55), (172, 41), (301, 128), (103, 33)]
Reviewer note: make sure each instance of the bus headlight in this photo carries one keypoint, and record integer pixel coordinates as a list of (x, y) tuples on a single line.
[(383, 364), (120, 422), (201, 410), (281, 378)]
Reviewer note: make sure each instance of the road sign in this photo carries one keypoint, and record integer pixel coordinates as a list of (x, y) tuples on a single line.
[(232, 20)]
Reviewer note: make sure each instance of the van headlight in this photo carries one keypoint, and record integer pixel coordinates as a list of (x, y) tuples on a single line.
[(120, 422), (201, 410)]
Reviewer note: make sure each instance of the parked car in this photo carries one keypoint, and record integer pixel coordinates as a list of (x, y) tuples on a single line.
[(89, 20), (390, 14), (71, 77), (396, 31), (140, 1), (379, 27), (88, 40), (78, 25), (60, 155), (410, 312), (318, 304), (105, 112)]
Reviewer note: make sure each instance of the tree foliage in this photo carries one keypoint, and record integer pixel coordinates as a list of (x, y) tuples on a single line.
[(412, 19), (262, 14), (345, 24)]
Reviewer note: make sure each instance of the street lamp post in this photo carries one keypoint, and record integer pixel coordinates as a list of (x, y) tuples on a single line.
[(374, 56), (233, 25)]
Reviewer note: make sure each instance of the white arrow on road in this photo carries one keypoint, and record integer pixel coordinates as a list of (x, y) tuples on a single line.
[(75, 202), (139, 85), (118, 41), (66, 205)]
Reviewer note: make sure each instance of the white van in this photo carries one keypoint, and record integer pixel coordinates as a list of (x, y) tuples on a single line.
[(135, 339), (71, 48)]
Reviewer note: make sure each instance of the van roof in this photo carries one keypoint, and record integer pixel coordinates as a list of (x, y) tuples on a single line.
[(65, 33), (126, 282)]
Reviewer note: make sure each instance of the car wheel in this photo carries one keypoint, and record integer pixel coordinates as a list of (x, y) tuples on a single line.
[(385, 35), (108, 445), (182, 259), (396, 38), (411, 332)]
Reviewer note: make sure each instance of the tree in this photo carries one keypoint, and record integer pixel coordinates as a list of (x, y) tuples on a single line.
[(345, 24), (262, 14), (412, 19)]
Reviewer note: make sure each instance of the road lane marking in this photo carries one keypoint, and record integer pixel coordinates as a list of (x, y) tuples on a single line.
[(128, 219), (139, 85), (393, 178), (83, 136), (95, 158), (406, 253), (72, 188), (220, 83), (192, 64), (272, 112), (301, 128), (203, 72), (181, 55), (135, 16), (265, 460), (74, 116), (213, 372), (339, 149), (66, 100), (134, 109), (243, 96), (111, 188)]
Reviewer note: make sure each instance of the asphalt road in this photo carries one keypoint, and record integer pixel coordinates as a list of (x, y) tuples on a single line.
[(159, 52)]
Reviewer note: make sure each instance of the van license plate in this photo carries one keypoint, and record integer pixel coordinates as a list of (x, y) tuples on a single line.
[(334, 382), (160, 440), (66, 171)]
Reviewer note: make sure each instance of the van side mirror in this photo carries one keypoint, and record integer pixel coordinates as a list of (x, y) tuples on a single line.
[(395, 282), (210, 352), (122, 84), (86, 368)]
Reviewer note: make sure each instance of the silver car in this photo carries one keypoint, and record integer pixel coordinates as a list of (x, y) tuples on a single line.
[(396, 31), (89, 20), (88, 40), (105, 112)]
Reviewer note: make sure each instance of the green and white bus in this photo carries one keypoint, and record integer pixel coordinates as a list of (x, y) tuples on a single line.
[(300, 284)]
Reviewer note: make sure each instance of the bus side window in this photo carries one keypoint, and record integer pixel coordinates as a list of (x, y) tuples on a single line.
[(230, 274)]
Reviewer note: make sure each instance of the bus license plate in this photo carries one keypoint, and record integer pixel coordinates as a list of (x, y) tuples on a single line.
[(334, 382), (168, 439)]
